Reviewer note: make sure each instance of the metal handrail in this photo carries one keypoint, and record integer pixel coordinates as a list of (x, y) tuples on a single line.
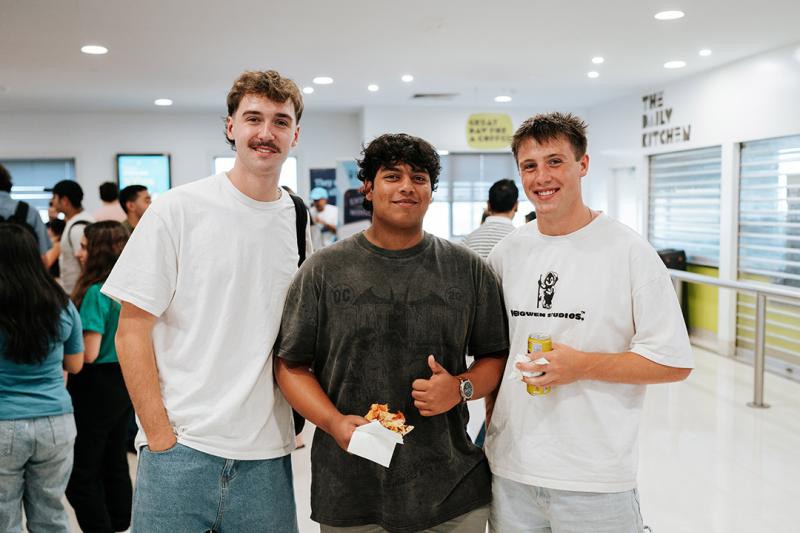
[(762, 291)]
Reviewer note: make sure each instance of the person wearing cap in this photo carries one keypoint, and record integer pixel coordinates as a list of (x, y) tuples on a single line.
[(9, 207), (68, 199), (324, 215)]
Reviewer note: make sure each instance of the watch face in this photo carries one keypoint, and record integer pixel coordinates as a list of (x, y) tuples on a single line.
[(466, 389)]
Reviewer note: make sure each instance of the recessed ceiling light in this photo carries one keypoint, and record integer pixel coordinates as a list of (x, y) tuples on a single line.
[(372, 87), (408, 78), (669, 15), (593, 74), (163, 102), (675, 64), (502, 99), (598, 60), (323, 80), (308, 90), (705, 52), (94, 49), (443, 152)]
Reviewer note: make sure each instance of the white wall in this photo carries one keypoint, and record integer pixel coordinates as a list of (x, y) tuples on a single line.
[(445, 128), (752, 99), (193, 140)]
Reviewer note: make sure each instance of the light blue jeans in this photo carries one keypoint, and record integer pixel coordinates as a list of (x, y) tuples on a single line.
[(35, 464), (521, 508), (184, 490)]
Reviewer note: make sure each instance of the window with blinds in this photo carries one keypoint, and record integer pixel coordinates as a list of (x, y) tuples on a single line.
[(769, 210), (769, 240), (464, 190), (684, 203), (32, 176)]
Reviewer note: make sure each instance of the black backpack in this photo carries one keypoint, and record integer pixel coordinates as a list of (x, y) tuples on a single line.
[(20, 218), (301, 219)]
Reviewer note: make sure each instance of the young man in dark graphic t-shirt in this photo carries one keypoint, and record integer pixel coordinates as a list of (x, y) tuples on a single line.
[(387, 316)]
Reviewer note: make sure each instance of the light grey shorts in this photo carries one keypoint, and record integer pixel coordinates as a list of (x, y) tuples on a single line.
[(521, 508)]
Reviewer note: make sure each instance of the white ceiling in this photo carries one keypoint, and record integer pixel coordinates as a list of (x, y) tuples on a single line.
[(536, 51)]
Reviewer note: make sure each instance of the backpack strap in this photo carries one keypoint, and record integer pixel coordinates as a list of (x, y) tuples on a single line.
[(72, 227), (301, 220), (20, 215), (20, 218)]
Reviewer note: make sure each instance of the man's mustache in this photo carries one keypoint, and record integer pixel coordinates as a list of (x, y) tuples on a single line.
[(265, 144)]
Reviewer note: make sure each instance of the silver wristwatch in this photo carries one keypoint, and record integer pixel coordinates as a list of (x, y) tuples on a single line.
[(466, 389)]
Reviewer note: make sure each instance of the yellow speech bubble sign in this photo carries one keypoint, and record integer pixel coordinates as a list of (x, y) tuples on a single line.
[(488, 131)]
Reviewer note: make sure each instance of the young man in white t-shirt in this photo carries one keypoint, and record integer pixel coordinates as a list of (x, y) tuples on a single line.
[(566, 460), (202, 283), (68, 199)]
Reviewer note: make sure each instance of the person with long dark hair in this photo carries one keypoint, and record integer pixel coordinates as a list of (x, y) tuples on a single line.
[(40, 334), (100, 488)]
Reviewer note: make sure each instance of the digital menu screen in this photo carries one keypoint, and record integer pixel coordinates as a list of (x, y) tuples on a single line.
[(150, 170)]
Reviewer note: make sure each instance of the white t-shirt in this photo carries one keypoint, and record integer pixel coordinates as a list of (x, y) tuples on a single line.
[(603, 289), (214, 266), (329, 215), (70, 245)]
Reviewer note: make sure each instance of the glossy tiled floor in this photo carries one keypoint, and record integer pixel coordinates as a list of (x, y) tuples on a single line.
[(708, 463)]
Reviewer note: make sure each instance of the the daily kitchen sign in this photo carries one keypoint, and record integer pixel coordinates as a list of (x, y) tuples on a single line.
[(657, 126)]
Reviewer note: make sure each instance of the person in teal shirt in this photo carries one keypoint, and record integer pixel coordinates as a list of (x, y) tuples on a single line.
[(40, 337), (100, 487), (99, 315)]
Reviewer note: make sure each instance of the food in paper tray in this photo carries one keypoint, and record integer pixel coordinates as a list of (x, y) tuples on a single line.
[(393, 421)]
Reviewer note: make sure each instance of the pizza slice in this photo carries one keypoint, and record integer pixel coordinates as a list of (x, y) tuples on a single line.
[(392, 421)]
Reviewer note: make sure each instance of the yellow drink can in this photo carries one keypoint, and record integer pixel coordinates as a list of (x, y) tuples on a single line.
[(538, 343)]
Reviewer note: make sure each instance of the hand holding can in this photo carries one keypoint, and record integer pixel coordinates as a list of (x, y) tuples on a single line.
[(539, 343)]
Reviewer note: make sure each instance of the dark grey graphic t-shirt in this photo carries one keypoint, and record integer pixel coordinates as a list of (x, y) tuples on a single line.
[(365, 319)]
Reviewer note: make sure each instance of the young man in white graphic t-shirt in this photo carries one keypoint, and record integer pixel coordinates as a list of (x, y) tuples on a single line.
[(566, 461), (202, 282)]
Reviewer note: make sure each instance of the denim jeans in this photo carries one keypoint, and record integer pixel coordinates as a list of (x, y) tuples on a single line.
[(35, 463), (184, 490), (527, 509)]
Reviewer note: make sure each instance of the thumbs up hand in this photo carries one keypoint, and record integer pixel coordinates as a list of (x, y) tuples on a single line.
[(439, 393)]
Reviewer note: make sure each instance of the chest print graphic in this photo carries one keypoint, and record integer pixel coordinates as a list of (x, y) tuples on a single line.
[(546, 290)]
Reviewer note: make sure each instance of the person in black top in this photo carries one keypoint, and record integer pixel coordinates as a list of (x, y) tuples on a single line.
[(387, 316)]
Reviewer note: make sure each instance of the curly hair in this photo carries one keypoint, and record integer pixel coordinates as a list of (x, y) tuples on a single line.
[(31, 301), (549, 127), (267, 83), (104, 242), (391, 149)]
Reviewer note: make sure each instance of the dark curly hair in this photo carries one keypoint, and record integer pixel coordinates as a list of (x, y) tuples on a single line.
[(551, 126), (392, 149)]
